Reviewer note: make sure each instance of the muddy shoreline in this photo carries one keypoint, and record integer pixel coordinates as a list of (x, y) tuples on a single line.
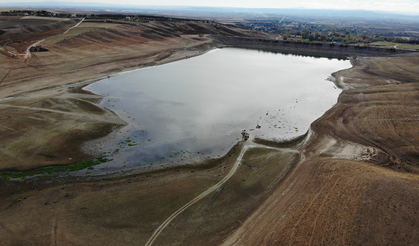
[(57, 105), (77, 89), (254, 44)]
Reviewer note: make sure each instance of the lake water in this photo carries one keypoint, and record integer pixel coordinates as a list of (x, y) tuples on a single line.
[(195, 109)]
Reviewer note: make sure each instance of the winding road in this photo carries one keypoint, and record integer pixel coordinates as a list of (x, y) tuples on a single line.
[(247, 145)]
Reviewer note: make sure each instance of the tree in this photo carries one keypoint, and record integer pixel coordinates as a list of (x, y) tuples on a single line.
[(305, 34), (311, 37)]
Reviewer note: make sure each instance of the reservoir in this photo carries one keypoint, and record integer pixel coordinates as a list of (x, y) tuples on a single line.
[(195, 109)]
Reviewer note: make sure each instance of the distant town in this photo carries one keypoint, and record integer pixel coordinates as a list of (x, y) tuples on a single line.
[(107, 17), (293, 27)]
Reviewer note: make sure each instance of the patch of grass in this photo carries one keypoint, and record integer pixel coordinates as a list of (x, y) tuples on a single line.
[(408, 46), (292, 143), (45, 172), (399, 45), (385, 43)]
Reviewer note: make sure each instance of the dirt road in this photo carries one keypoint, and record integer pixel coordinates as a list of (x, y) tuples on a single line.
[(248, 144), (157, 232), (27, 54)]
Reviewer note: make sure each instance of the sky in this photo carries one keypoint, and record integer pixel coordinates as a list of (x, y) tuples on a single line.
[(386, 5)]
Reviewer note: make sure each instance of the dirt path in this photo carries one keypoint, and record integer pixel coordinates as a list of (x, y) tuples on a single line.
[(157, 232), (73, 27), (28, 55), (7, 74), (217, 186)]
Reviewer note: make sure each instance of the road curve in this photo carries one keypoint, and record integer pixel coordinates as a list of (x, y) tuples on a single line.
[(246, 146), (196, 199)]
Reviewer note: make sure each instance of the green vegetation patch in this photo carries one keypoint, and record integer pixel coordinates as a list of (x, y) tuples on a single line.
[(408, 47), (385, 43), (291, 143), (44, 172), (401, 46)]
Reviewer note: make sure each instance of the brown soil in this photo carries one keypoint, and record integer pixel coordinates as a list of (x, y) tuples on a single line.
[(354, 182)]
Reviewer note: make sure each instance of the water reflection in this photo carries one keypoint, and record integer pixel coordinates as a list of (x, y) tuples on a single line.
[(303, 54), (196, 108)]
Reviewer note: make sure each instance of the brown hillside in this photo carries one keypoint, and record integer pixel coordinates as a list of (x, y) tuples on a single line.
[(353, 185)]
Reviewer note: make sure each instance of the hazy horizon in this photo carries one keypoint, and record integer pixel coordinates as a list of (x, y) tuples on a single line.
[(408, 6)]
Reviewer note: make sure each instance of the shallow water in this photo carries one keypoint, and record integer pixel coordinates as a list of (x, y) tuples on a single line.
[(196, 108)]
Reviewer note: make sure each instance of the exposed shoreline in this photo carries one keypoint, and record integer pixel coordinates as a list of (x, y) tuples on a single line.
[(68, 98), (338, 82), (79, 88)]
